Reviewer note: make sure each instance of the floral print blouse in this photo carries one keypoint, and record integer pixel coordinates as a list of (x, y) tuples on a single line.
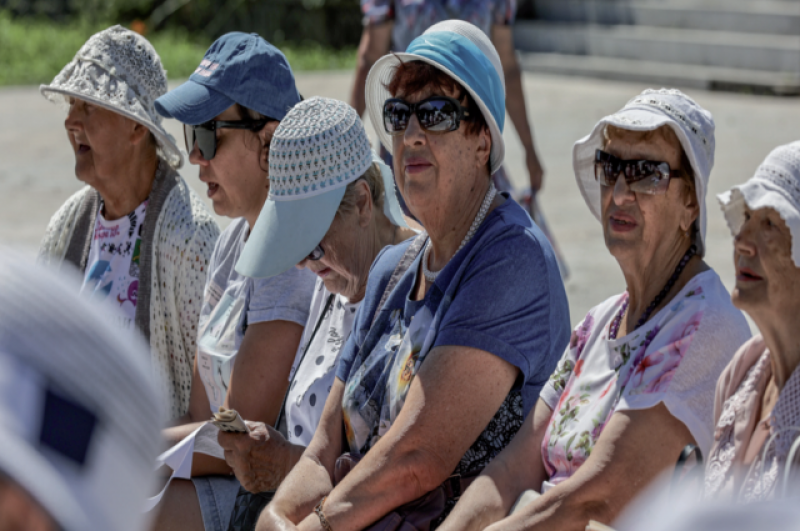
[(674, 358)]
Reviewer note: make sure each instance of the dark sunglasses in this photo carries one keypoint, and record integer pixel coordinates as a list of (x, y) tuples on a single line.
[(316, 254), (205, 134), (437, 114), (642, 176)]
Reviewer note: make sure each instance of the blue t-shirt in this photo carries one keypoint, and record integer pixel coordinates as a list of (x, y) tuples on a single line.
[(501, 293)]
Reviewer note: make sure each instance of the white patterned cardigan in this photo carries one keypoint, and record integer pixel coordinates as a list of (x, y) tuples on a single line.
[(176, 248)]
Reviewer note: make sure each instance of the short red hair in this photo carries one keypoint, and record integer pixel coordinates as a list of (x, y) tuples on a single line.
[(415, 76)]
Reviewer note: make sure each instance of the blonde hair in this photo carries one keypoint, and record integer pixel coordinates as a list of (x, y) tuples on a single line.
[(374, 180)]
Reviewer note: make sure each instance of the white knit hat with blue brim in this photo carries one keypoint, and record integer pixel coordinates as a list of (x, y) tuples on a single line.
[(80, 427), (463, 52), (776, 185), (317, 150), (693, 125)]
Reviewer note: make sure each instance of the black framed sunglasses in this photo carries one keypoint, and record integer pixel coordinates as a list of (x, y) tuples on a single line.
[(316, 254), (205, 134), (642, 176), (437, 114)]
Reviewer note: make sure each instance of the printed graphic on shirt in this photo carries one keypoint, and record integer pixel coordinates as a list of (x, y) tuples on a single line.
[(112, 270), (217, 343)]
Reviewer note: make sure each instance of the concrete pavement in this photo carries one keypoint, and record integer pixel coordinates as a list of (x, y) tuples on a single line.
[(36, 164)]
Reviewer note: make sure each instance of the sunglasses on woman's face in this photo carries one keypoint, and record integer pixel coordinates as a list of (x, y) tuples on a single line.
[(642, 176), (437, 114), (205, 134), (316, 254)]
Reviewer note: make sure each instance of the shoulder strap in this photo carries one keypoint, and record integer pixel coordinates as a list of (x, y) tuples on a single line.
[(402, 266), (281, 416)]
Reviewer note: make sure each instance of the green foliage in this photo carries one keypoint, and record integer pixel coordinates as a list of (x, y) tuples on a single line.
[(35, 50)]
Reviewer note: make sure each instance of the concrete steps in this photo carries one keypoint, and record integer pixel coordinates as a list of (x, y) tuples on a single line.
[(723, 44)]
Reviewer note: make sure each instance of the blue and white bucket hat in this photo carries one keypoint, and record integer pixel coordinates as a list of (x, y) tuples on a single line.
[(463, 52), (317, 150)]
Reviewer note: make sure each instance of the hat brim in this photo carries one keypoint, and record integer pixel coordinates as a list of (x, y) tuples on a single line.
[(192, 103), (165, 141), (757, 194), (32, 471), (381, 75), (635, 118), (286, 232)]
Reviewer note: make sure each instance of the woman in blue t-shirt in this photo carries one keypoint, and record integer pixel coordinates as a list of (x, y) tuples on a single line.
[(459, 328)]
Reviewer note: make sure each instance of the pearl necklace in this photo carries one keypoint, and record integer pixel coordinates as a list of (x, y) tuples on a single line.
[(430, 276)]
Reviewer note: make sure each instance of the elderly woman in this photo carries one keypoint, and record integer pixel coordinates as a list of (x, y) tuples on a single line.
[(136, 232), (636, 384), (342, 232), (249, 329), (456, 335), (758, 394)]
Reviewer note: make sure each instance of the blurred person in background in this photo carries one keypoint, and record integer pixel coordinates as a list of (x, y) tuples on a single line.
[(391, 25), (636, 384), (139, 235), (249, 329), (337, 234), (79, 412), (757, 409)]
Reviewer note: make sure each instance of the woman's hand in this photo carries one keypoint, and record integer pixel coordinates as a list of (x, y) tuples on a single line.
[(260, 459), (271, 521)]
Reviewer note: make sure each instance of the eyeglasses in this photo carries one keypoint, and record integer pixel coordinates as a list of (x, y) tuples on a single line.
[(316, 254), (642, 176), (205, 134), (437, 114)]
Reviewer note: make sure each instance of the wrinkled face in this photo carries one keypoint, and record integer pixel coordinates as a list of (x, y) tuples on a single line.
[(348, 254), (637, 224), (102, 141), (237, 181), (434, 168), (767, 279)]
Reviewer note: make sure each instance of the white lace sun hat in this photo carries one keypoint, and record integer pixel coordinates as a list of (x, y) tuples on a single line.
[(119, 70), (317, 150), (648, 111), (463, 52), (776, 185)]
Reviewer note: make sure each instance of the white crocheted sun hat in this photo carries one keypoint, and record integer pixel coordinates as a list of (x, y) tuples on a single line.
[(317, 150), (650, 110), (776, 185), (463, 52), (119, 70)]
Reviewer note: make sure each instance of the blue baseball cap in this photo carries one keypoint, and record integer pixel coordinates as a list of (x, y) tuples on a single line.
[(238, 68), (463, 52)]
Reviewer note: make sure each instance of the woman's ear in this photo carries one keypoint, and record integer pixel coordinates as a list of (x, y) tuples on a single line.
[(364, 203), (691, 209), (484, 147), (265, 137), (139, 133)]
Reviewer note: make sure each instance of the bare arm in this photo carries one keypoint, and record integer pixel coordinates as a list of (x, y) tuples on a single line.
[(311, 477), (518, 467), (426, 441), (258, 383), (633, 449), (375, 43), (503, 40)]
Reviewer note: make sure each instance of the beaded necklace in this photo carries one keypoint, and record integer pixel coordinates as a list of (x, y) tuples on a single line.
[(612, 333), (430, 276)]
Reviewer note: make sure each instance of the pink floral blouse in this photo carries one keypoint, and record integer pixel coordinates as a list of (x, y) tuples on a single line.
[(675, 358)]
